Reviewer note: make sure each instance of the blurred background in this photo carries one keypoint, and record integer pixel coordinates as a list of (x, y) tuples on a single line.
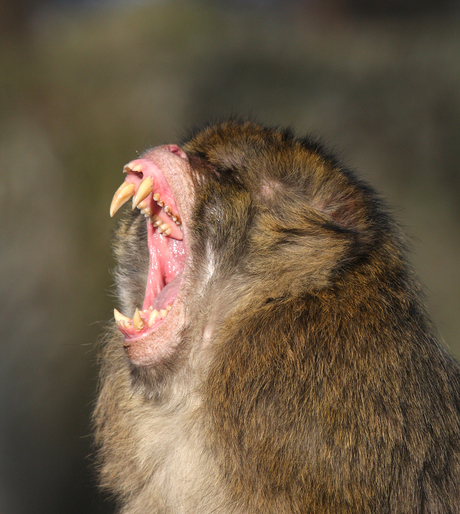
[(86, 86)]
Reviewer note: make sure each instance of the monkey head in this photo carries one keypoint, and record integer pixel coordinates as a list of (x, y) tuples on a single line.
[(240, 215)]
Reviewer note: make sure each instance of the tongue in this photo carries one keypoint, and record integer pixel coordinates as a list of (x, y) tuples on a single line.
[(168, 294)]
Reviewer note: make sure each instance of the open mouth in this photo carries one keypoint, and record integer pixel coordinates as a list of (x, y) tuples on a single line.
[(152, 195)]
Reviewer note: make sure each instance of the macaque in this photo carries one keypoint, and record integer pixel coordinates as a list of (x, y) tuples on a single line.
[(270, 352)]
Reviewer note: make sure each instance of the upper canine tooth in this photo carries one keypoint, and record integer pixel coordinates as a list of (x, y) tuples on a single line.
[(121, 196), (145, 188), (138, 324)]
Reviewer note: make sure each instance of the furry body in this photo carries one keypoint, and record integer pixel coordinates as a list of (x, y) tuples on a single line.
[(303, 375)]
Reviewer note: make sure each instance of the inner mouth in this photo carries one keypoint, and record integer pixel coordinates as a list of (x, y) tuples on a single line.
[(151, 194)]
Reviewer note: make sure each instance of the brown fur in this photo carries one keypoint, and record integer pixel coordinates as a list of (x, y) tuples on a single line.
[(307, 378)]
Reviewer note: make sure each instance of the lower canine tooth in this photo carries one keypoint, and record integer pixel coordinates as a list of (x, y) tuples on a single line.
[(120, 319), (138, 324)]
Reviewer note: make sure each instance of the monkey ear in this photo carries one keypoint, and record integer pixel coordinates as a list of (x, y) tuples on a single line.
[(345, 211), (345, 200)]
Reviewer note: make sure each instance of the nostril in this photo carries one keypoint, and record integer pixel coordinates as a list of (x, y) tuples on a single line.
[(173, 148), (177, 150)]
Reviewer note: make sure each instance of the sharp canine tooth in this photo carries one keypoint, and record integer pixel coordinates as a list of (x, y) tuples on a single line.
[(121, 196), (120, 319), (138, 324), (145, 188)]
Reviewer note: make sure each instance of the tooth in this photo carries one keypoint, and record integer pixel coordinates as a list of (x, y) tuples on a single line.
[(145, 188), (156, 197), (160, 203), (157, 221), (143, 204), (121, 196), (167, 209), (163, 313), (120, 319), (167, 232), (138, 324), (163, 228), (137, 168), (153, 316), (168, 307)]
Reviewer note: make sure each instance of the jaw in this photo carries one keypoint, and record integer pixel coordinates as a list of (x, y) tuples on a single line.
[(161, 189)]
